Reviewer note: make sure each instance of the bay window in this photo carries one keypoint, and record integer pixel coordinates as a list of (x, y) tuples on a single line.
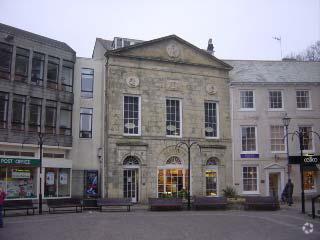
[(22, 65), (65, 119), (4, 99), (35, 110), (67, 76), (53, 72), (5, 60), (51, 117), (37, 72), (18, 112)]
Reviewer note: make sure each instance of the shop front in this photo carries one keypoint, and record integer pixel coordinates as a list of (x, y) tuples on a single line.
[(19, 177)]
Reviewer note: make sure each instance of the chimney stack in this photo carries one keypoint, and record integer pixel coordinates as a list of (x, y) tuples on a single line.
[(210, 48)]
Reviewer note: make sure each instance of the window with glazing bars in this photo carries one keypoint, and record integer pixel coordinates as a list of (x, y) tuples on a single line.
[(248, 134), (303, 99), (246, 99), (131, 115), (275, 99), (53, 72), (173, 122), (210, 124)]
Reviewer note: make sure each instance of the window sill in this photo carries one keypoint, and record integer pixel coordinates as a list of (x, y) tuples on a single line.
[(276, 110), (304, 109), (251, 192), (173, 136), (247, 110)]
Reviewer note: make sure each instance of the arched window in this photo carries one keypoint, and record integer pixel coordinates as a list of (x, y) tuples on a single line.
[(213, 161), (173, 160), (131, 160)]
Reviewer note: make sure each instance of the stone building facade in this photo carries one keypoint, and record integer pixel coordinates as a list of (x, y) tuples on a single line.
[(36, 96), (159, 93), (262, 93)]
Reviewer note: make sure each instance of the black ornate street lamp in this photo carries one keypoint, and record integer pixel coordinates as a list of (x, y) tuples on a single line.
[(188, 144), (300, 134), (286, 122)]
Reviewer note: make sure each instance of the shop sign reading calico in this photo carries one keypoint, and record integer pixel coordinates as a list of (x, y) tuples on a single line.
[(19, 161)]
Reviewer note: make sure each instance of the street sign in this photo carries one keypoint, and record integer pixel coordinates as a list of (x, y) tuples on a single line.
[(306, 160)]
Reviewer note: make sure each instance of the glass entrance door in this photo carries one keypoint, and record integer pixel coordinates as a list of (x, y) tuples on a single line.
[(130, 184)]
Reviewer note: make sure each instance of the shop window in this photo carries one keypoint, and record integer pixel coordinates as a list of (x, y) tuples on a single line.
[(86, 122), (172, 182), (309, 183), (4, 100), (131, 115), (18, 112), (19, 182), (173, 118), (87, 76), (5, 60), (67, 76), (57, 182), (51, 116), (37, 73), (35, 111), (22, 65), (211, 182), (65, 119), (53, 72)]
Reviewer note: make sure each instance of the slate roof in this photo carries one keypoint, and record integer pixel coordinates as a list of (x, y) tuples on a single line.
[(256, 71), (107, 44), (35, 37)]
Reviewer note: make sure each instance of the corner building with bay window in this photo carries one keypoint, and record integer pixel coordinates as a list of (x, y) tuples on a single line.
[(159, 93), (36, 95)]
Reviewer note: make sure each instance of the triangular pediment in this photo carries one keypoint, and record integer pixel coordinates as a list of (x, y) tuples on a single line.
[(170, 49), (274, 166)]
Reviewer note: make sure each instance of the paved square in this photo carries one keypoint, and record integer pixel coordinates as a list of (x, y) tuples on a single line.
[(146, 225)]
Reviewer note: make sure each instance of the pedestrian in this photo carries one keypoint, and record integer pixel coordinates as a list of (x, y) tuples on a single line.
[(2, 197), (289, 187), (284, 195)]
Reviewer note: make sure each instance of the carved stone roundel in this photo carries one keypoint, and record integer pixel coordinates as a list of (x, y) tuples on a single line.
[(211, 89), (133, 81), (173, 50)]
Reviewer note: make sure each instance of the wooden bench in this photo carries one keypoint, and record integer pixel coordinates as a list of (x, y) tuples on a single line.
[(64, 205), (210, 202), (165, 204), (11, 205), (261, 203), (114, 202)]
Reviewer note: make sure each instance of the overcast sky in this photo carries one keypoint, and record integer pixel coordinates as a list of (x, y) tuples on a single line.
[(240, 29)]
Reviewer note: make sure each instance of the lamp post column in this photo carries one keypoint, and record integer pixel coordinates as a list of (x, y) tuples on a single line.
[(189, 166), (301, 171), (40, 179), (287, 143)]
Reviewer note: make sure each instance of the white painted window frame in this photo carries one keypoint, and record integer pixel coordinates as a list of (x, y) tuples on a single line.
[(256, 139), (258, 180), (139, 115), (254, 100)]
